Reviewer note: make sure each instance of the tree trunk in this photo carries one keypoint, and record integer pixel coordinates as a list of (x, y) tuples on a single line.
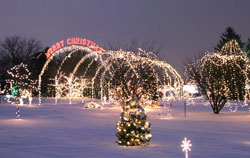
[(217, 106), (216, 110)]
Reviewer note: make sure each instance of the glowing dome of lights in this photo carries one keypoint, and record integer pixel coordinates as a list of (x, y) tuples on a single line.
[(95, 67)]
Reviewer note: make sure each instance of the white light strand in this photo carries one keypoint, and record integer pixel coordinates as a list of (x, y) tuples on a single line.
[(106, 58)]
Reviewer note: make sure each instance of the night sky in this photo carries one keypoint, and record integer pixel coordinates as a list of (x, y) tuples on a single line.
[(183, 27)]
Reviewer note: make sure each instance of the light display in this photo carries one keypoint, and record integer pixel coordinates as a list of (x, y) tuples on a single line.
[(20, 76), (72, 41), (108, 62), (21, 83), (166, 111), (18, 112), (30, 100), (221, 76), (233, 109), (92, 105), (69, 87), (133, 129), (186, 146)]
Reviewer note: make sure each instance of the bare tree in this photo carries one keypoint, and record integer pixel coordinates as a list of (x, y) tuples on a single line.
[(134, 45), (143, 81), (221, 76), (133, 83), (15, 50), (209, 78)]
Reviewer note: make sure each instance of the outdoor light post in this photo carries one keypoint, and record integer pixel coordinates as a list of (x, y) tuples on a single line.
[(185, 108)]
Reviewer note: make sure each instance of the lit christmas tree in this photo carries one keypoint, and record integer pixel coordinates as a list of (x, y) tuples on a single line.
[(133, 129)]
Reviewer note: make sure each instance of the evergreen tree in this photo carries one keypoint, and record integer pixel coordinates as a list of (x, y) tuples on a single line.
[(247, 48), (133, 129), (227, 36), (233, 70)]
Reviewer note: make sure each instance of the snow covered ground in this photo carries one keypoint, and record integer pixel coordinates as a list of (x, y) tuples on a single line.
[(69, 131)]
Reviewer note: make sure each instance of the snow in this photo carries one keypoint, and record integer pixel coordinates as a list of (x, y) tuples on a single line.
[(65, 131)]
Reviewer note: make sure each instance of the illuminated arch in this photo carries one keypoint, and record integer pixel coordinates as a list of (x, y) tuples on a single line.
[(170, 77), (72, 48)]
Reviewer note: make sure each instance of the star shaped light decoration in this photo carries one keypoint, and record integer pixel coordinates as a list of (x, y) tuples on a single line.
[(186, 145)]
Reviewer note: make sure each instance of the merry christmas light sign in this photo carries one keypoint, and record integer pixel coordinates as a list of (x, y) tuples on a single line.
[(73, 41)]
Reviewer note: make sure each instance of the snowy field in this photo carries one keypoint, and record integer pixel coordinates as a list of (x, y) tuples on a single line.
[(69, 131)]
